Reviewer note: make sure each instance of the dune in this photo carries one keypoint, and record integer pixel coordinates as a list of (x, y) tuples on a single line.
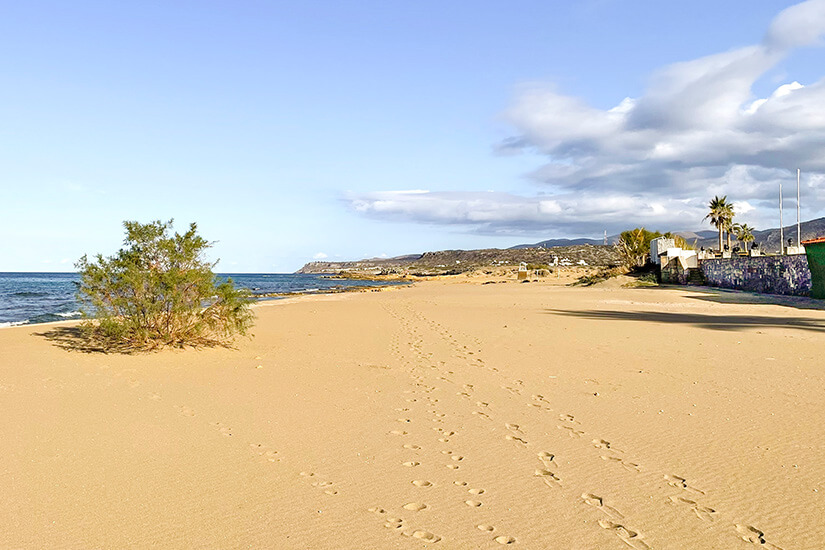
[(448, 414)]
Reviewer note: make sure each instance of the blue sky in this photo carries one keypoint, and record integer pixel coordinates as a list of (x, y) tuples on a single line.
[(289, 130)]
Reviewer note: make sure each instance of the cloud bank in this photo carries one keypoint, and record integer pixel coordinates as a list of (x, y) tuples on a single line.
[(655, 160)]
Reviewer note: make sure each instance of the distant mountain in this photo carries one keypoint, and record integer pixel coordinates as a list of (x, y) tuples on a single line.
[(691, 236), (551, 243), (768, 239)]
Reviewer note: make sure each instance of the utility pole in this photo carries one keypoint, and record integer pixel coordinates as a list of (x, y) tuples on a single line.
[(781, 228), (798, 224)]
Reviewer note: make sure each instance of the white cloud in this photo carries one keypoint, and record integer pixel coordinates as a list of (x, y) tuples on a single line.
[(320, 256), (697, 131)]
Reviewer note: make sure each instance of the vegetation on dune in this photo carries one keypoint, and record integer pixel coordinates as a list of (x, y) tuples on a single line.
[(158, 291), (598, 277)]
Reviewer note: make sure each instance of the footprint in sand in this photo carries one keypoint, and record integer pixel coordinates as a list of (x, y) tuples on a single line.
[(681, 483), (601, 444), (223, 430), (549, 478), (597, 502), (476, 491), (485, 527), (513, 428), (472, 503), (754, 536), (423, 535), (422, 483), (702, 512), (572, 431), (398, 432), (411, 447), (515, 439), (411, 464), (264, 453), (632, 466), (505, 540), (415, 506), (322, 484), (185, 411), (482, 414), (628, 536)]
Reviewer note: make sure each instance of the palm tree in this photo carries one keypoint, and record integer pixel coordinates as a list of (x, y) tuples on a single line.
[(744, 233), (721, 216)]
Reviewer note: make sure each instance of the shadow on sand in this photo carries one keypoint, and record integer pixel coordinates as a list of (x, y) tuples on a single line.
[(84, 341), (712, 322), (728, 296), (76, 339)]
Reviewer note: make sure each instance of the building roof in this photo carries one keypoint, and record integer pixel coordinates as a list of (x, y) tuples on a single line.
[(814, 241)]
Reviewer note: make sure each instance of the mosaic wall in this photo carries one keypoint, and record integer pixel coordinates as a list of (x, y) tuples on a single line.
[(765, 274)]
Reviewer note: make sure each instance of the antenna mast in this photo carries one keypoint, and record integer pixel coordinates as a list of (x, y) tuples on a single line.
[(781, 228), (798, 225)]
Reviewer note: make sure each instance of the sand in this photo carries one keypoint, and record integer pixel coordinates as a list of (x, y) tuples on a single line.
[(450, 414)]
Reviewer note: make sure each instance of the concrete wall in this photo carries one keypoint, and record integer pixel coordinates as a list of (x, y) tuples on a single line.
[(765, 274)]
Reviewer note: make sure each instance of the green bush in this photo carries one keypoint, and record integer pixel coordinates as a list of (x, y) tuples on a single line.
[(158, 291), (634, 246)]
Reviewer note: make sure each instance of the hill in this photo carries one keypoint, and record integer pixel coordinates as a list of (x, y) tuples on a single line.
[(446, 262), (552, 243)]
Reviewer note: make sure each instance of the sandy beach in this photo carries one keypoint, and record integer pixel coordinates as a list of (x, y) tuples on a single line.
[(449, 414)]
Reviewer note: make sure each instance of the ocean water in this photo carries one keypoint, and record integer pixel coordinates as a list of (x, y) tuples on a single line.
[(27, 298)]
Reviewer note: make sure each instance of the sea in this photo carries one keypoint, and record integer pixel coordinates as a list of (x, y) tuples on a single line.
[(29, 298)]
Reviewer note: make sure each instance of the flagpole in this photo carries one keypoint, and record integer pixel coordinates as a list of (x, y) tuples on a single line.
[(798, 225), (781, 228)]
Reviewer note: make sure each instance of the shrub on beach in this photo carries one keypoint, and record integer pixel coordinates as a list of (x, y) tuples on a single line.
[(634, 245), (158, 291)]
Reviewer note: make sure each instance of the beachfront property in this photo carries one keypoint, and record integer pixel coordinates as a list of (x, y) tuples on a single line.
[(796, 272)]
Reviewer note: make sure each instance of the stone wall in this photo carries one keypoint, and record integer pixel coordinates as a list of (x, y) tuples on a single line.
[(765, 274)]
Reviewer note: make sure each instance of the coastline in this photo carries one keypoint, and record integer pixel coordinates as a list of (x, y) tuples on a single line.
[(560, 417)]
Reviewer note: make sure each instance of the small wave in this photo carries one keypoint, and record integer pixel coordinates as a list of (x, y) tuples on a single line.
[(26, 294), (69, 314), (12, 324)]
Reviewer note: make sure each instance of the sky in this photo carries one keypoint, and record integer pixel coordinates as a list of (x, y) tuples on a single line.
[(338, 130)]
